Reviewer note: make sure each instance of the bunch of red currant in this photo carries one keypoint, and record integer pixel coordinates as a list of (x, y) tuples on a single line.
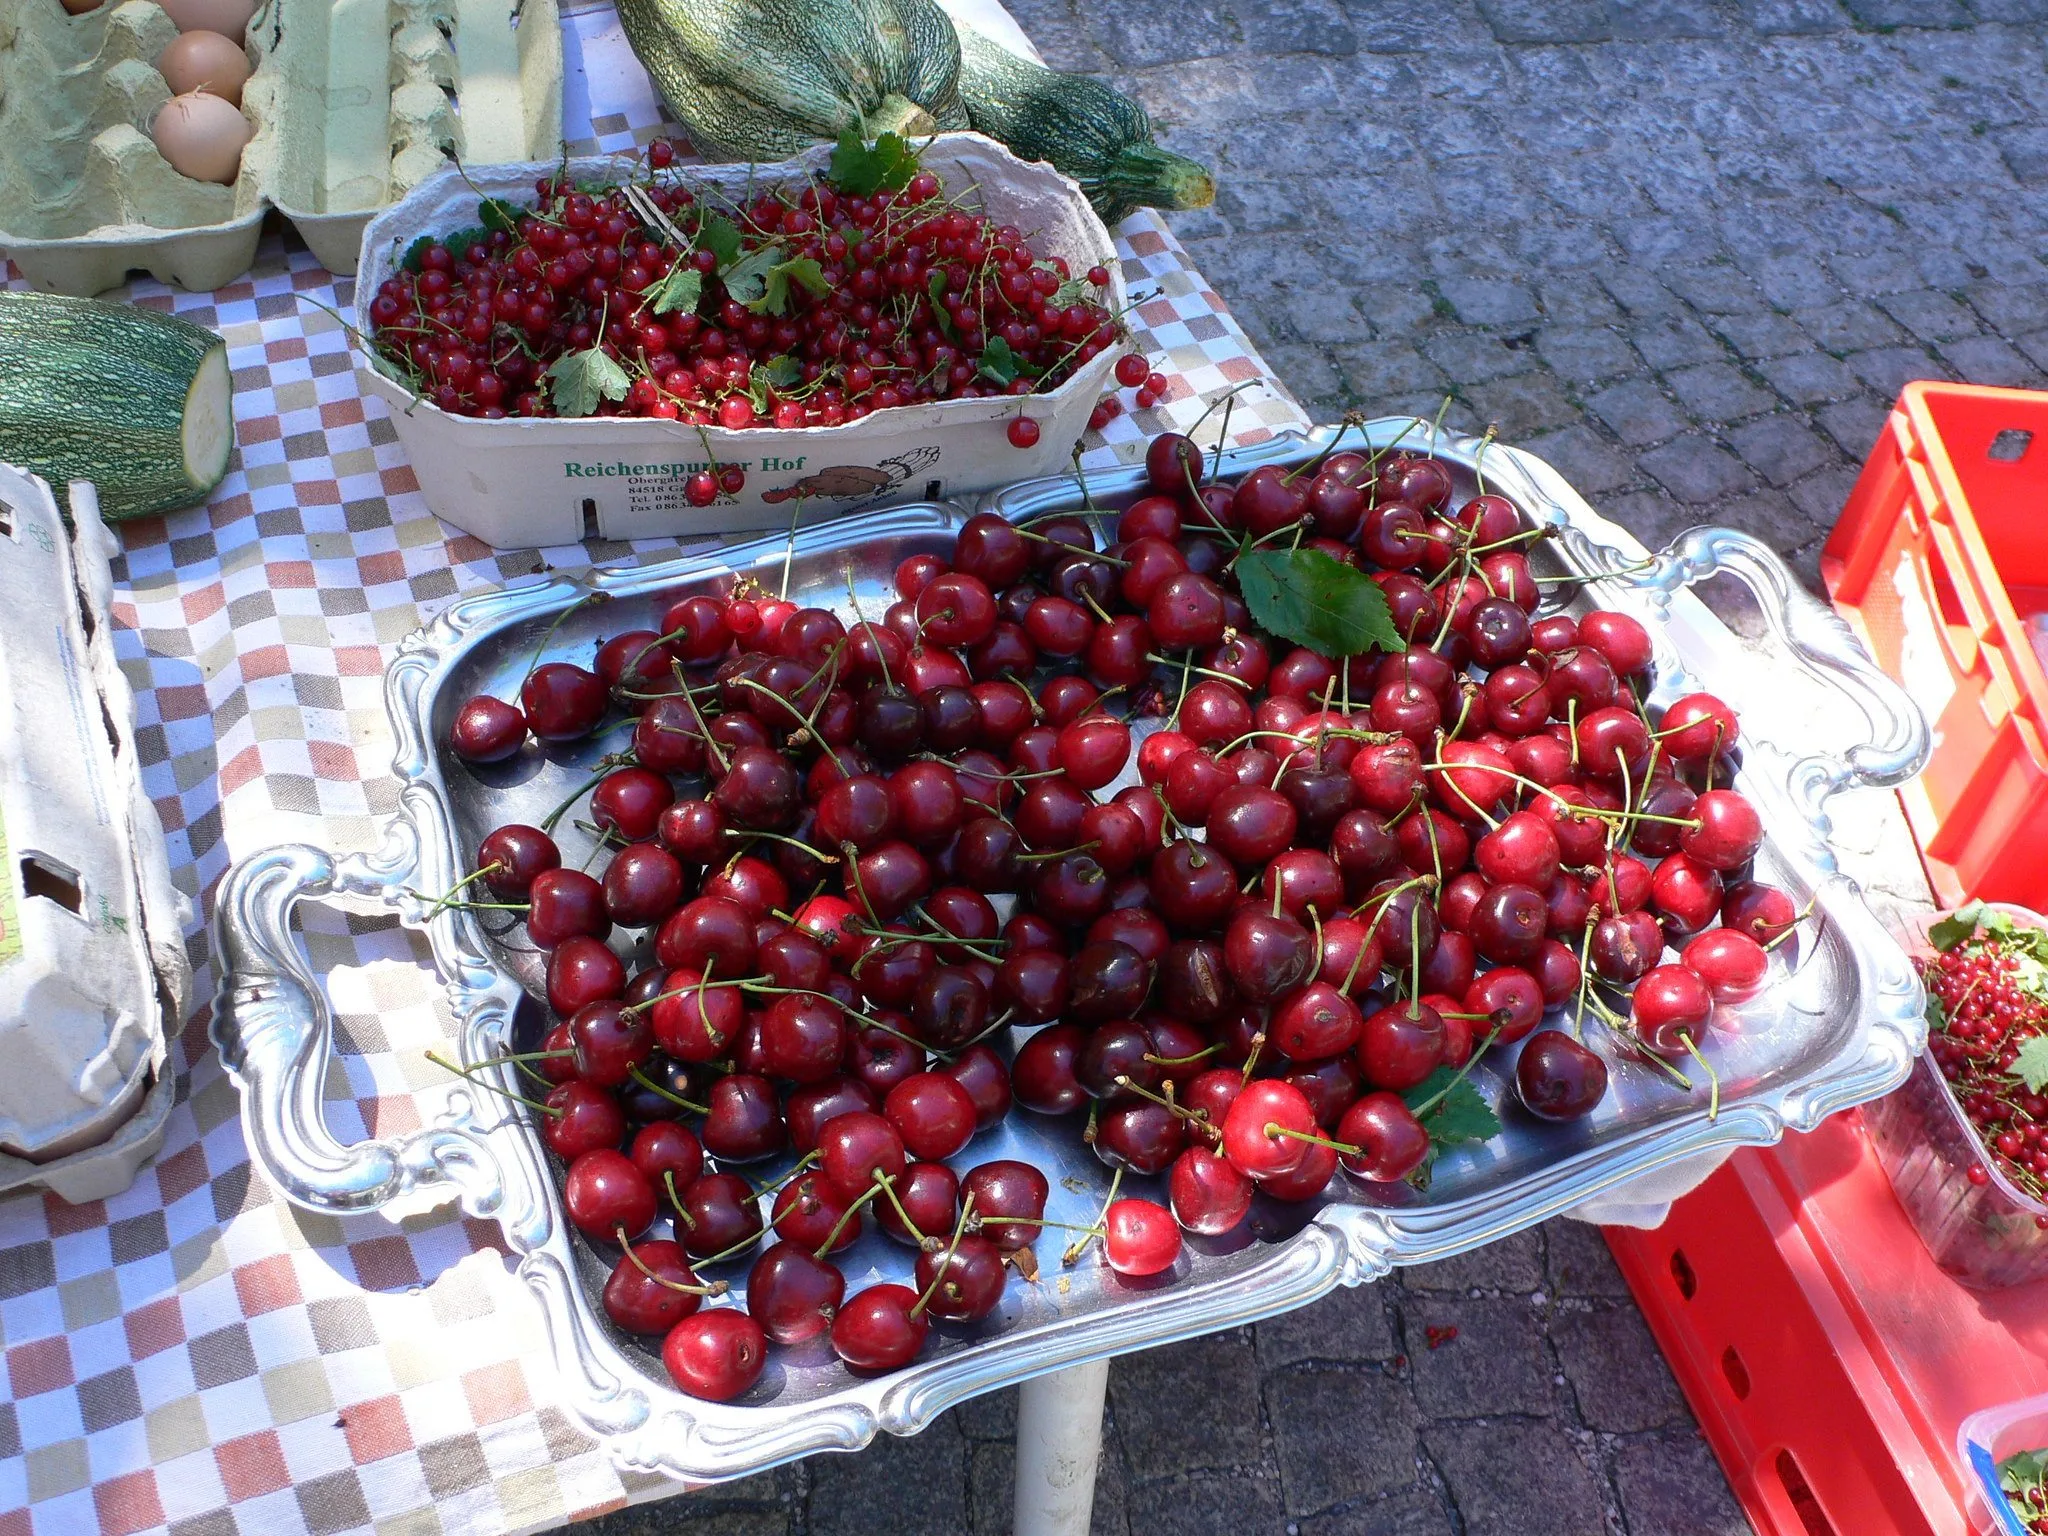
[(1985, 1005), (896, 874), (805, 306)]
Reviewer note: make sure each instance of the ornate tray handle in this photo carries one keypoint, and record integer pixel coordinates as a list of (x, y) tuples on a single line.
[(274, 1031)]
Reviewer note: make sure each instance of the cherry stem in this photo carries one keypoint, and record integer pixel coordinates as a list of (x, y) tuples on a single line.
[(1798, 918), (468, 1075), (1100, 1229), (797, 843), (981, 1221), (542, 649), (1183, 1061), (1275, 1128), (715, 1288), (489, 869), (1251, 1060), (668, 1180), (887, 1181), (737, 1248), (1086, 554), (652, 1086), (938, 1277), (605, 765), (1056, 853), (1314, 465), (1165, 1100), (1713, 1078), (796, 1171)]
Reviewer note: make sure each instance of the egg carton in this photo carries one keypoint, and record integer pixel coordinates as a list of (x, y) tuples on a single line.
[(93, 969), (352, 103)]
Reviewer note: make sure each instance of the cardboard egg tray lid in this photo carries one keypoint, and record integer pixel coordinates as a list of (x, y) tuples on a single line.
[(352, 102)]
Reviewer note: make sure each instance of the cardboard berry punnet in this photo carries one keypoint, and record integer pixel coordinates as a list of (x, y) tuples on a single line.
[(526, 482)]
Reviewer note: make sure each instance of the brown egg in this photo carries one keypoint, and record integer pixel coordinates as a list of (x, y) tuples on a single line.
[(205, 61), (202, 137), (230, 18)]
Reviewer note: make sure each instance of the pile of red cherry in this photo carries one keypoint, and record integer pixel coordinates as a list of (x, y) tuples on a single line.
[(904, 296), (1334, 886)]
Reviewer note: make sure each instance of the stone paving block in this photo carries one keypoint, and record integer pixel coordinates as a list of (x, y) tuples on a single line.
[(1717, 392), (1619, 1380), (1885, 369), (1637, 411), (1847, 327), (2010, 10), (1137, 37), (1524, 405), (1415, 1512), (1380, 370), (1340, 1435), (1496, 1364), (1350, 1325), (1260, 207), (1645, 20), (1572, 299), (1586, 354), (1206, 1506), (1771, 516), (1821, 497), (1760, 333), (1988, 360), (1479, 301), (1514, 1264), (1307, 372), (1167, 1430), (1655, 518), (1781, 448), (1798, 16), (1547, 21), (1672, 1486), (1583, 457), (1809, 378), (1518, 1478), (1695, 470), (1908, 13), (2010, 311), (913, 1487), (1674, 342), (992, 1416), (1327, 317), (1472, 357), (1931, 316), (1296, 26), (1720, 289), (1854, 424), (1396, 307), (1888, 274), (1791, 280)]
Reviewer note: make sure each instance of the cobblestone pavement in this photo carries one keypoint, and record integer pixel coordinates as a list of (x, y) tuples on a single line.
[(1687, 250)]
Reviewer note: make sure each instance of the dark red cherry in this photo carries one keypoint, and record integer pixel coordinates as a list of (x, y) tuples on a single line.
[(605, 1194), (1558, 1078), (1006, 1188), (792, 1294), (562, 702), (879, 1329), (635, 1296), (1042, 1075), (964, 1279), (586, 1118), (487, 730), (745, 1122), (715, 1355)]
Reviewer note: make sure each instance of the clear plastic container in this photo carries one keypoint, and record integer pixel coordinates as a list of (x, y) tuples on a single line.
[(1985, 1439), (1986, 1235)]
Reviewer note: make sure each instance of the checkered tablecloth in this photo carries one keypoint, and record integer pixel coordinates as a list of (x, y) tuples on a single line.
[(195, 1355)]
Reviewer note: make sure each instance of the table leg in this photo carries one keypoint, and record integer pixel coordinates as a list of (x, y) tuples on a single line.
[(1059, 1441)]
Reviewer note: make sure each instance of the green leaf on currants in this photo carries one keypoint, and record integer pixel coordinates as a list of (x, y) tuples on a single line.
[(782, 370), (411, 259), (936, 287), (1462, 1116), (2030, 1066), (1304, 596), (1937, 1016), (774, 299), (2021, 1473), (680, 288), (861, 170), (721, 237), (1071, 292), (999, 364), (1956, 927), (746, 280), (578, 380), (494, 213)]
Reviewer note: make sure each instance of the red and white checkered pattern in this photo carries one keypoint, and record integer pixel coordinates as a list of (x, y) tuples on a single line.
[(195, 1356)]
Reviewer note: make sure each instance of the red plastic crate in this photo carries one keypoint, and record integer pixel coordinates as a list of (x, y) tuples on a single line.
[(1937, 561), (1827, 1359)]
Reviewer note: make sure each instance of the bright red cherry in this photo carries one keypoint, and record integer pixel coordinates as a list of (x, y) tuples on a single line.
[(715, 1355), (1142, 1238)]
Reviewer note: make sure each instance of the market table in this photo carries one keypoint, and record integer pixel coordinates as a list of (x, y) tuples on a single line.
[(195, 1352)]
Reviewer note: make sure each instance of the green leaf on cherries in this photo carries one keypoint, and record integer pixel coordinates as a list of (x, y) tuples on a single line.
[(803, 272), (578, 380), (1461, 1116), (861, 170), (1304, 596), (680, 288), (2030, 1066), (721, 237)]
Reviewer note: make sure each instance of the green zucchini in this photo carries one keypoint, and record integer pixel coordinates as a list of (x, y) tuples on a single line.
[(1086, 129), (136, 401), (766, 79)]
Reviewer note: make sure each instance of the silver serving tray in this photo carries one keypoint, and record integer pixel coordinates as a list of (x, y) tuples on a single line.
[(1840, 1023)]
